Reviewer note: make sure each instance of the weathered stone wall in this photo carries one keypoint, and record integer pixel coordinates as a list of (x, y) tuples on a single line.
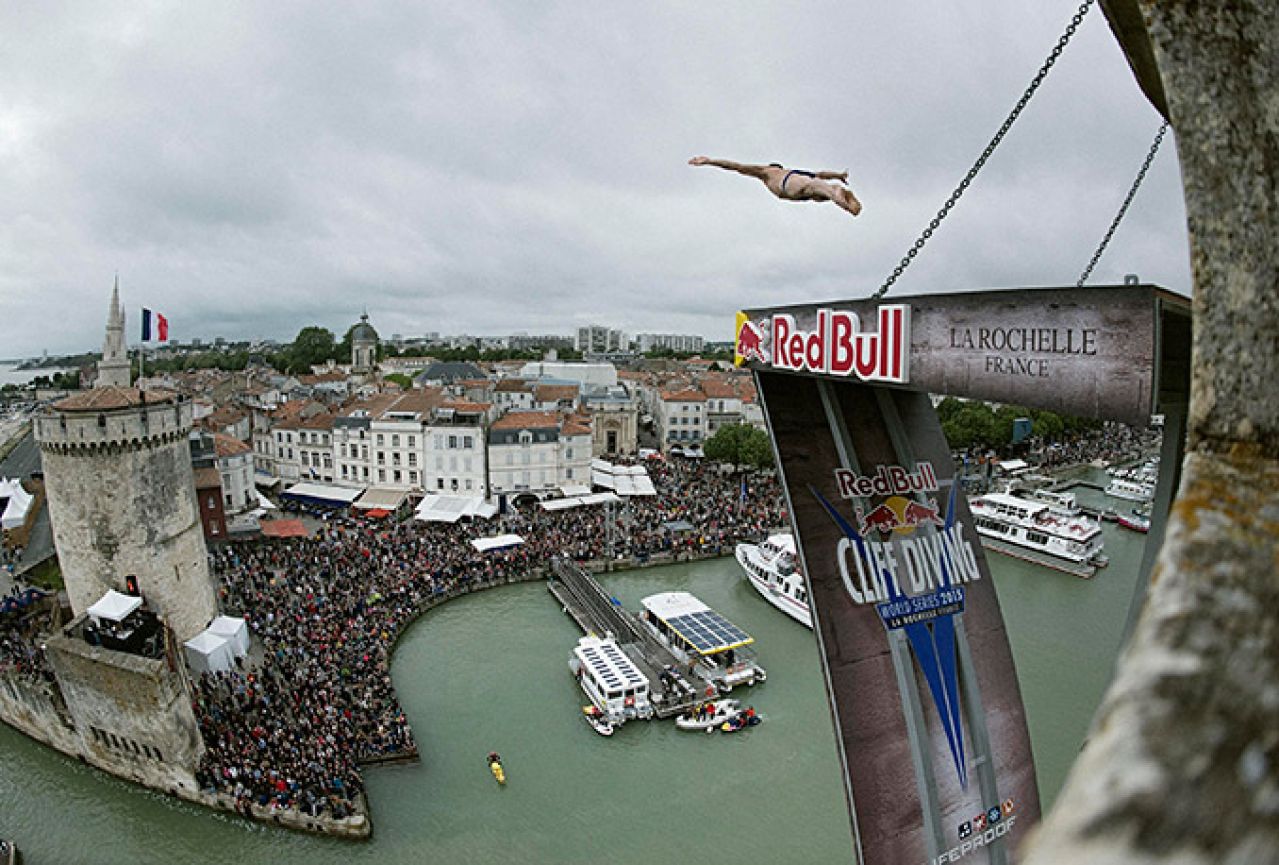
[(1183, 763), (132, 714), (122, 501)]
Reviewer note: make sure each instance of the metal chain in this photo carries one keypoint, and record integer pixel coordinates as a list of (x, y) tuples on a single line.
[(990, 148), (1123, 208)]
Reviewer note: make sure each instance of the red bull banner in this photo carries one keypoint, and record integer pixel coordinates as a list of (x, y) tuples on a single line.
[(936, 751), (1082, 351)]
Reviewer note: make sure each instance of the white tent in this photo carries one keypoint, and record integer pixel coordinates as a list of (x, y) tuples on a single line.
[(15, 513), (114, 607), (234, 631), (324, 493), (265, 503), (208, 653), (450, 509), (496, 543)]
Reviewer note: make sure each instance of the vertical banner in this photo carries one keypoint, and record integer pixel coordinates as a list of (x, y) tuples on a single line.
[(933, 737)]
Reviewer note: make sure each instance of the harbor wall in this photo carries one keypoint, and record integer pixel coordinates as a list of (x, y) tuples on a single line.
[(140, 703)]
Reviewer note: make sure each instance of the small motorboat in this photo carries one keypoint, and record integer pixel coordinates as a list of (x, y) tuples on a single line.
[(8, 852), (1136, 521), (598, 721), (495, 766), (1110, 515), (741, 721), (709, 716)]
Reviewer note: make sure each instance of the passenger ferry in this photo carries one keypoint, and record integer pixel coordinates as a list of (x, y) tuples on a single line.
[(701, 637), (1035, 532), (773, 570), (1137, 491), (610, 679)]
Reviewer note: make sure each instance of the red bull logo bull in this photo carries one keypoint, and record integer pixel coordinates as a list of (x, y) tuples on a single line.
[(751, 339), (899, 515)]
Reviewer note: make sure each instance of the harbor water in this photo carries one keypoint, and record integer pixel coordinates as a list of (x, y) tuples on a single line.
[(489, 672)]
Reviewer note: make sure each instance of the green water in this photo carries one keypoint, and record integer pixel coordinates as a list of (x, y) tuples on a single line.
[(489, 672)]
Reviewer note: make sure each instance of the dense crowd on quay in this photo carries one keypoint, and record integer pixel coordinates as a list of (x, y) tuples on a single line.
[(292, 732)]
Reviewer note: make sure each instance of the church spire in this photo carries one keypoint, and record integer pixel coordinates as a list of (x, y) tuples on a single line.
[(113, 369)]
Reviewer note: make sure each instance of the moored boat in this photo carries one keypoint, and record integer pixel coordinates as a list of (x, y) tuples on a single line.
[(1035, 532), (8, 852), (696, 635), (772, 568), (708, 716), (1136, 491), (610, 680), (1135, 521), (597, 720)]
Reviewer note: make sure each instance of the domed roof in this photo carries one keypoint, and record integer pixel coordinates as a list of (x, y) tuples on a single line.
[(363, 332)]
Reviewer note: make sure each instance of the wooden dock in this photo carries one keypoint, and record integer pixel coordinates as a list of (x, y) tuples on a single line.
[(673, 690)]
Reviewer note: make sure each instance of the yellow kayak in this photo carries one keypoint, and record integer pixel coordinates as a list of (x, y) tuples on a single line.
[(495, 766)]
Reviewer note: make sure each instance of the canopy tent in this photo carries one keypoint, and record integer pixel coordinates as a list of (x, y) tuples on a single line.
[(19, 503), (1012, 467), (377, 513), (206, 652), (322, 494), (571, 490), (578, 501), (624, 480), (380, 498), (498, 542), (264, 502), (450, 509), (234, 631), (114, 606)]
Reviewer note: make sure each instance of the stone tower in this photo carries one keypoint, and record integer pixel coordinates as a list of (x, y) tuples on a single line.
[(363, 347), (121, 495), (113, 369)]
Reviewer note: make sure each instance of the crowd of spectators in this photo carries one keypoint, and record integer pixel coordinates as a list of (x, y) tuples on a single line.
[(327, 609)]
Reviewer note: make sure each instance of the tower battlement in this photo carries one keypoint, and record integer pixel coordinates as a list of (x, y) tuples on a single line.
[(132, 421)]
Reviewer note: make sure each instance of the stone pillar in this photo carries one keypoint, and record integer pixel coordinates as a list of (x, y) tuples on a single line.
[(1183, 764)]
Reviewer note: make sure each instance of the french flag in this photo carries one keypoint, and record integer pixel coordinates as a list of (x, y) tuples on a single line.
[(154, 326)]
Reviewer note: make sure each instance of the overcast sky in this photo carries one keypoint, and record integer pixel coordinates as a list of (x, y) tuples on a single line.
[(496, 167)]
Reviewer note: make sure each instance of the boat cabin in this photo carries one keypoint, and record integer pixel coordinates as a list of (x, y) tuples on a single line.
[(698, 635), (610, 679)]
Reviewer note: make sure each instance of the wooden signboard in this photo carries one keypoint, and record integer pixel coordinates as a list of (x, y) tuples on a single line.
[(1082, 351)]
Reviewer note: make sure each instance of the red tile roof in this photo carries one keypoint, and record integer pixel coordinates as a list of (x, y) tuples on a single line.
[(108, 398), (528, 420)]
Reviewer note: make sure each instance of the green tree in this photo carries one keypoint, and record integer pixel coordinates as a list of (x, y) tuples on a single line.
[(399, 378), (726, 445), (757, 449), (312, 346)]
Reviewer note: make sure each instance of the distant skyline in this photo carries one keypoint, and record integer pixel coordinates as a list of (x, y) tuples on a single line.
[(496, 167)]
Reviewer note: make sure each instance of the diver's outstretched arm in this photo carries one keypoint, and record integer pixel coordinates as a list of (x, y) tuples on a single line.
[(757, 171)]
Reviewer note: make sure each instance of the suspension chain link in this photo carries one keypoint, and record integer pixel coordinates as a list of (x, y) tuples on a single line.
[(990, 148), (1123, 208)]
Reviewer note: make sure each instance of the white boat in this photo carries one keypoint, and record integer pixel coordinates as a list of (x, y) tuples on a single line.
[(1063, 504), (610, 680), (1033, 531), (1137, 491), (709, 720), (717, 649), (595, 718), (773, 570)]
